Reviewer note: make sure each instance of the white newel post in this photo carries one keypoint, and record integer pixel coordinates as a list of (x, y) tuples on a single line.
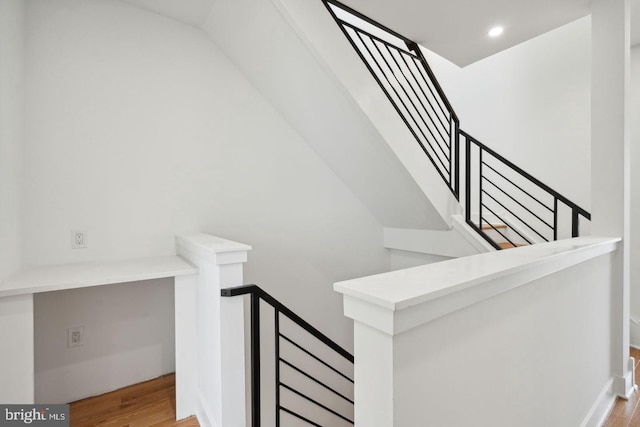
[(210, 366)]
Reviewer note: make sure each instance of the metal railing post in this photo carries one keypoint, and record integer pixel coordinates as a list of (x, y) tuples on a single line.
[(555, 218), (456, 157), (467, 178), (255, 360), (575, 223)]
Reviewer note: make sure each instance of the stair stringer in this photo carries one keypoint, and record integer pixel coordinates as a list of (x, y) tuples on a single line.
[(321, 38), (320, 33), (460, 241)]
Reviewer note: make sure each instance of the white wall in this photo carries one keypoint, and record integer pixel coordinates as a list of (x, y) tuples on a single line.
[(509, 333), (118, 336), (531, 103), (11, 134), (138, 128), (282, 49), (406, 259), (503, 370), (635, 196)]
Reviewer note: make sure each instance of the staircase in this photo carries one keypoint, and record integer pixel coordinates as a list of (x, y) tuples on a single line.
[(301, 377), (503, 204)]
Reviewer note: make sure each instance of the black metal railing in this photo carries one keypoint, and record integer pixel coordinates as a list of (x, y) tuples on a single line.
[(402, 72), (312, 375), (507, 206), (502, 193)]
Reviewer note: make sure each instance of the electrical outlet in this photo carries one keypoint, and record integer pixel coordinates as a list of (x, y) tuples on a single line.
[(75, 336), (78, 239)]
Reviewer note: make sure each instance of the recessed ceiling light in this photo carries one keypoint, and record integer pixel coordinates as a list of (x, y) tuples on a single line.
[(496, 31)]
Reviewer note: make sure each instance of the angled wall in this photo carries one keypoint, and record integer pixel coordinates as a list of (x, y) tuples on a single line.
[(293, 53), (138, 128)]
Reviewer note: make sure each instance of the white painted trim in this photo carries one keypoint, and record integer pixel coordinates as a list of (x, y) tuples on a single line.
[(450, 243), (221, 251), (205, 418), (601, 408), (625, 386), (17, 350), (81, 275), (471, 235), (186, 345)]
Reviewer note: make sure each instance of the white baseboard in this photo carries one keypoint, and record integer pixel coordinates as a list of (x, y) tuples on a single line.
[(601, 408), (634, 332), (204, 416)]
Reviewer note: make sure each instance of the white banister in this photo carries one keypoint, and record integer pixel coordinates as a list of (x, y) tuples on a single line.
[(210, 333), (491, 339)]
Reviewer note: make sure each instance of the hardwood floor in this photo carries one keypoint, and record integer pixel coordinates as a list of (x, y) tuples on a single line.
[(153, 404), (626, 413), (148, 404)]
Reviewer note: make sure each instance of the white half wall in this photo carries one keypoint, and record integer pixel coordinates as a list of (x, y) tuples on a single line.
[(512, 377), (509, 333), (139, 128), (11, 134)]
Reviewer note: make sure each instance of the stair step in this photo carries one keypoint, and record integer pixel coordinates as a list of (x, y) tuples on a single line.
[(492, 226), (507, 245)]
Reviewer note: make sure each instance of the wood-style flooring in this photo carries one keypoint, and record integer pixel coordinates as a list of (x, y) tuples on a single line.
[(148, 404), (626, 413), (153, 404)]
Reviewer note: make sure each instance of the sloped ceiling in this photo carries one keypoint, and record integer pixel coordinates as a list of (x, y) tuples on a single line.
[(192, 12), (455, 29)]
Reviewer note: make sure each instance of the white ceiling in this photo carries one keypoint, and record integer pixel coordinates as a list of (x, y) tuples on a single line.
[(455, 29)]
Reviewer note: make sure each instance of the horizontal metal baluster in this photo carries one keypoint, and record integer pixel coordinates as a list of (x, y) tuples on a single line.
[(317, 381), (304, 396), (519, 203), (307, 420), (413, 88), (316, 357), (518, 187), (415, 121), (439, 164), (424, 94), (519, 219), (415, 107)]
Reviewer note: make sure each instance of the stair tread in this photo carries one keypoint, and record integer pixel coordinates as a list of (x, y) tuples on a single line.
[(492, 226), (507, 245)]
